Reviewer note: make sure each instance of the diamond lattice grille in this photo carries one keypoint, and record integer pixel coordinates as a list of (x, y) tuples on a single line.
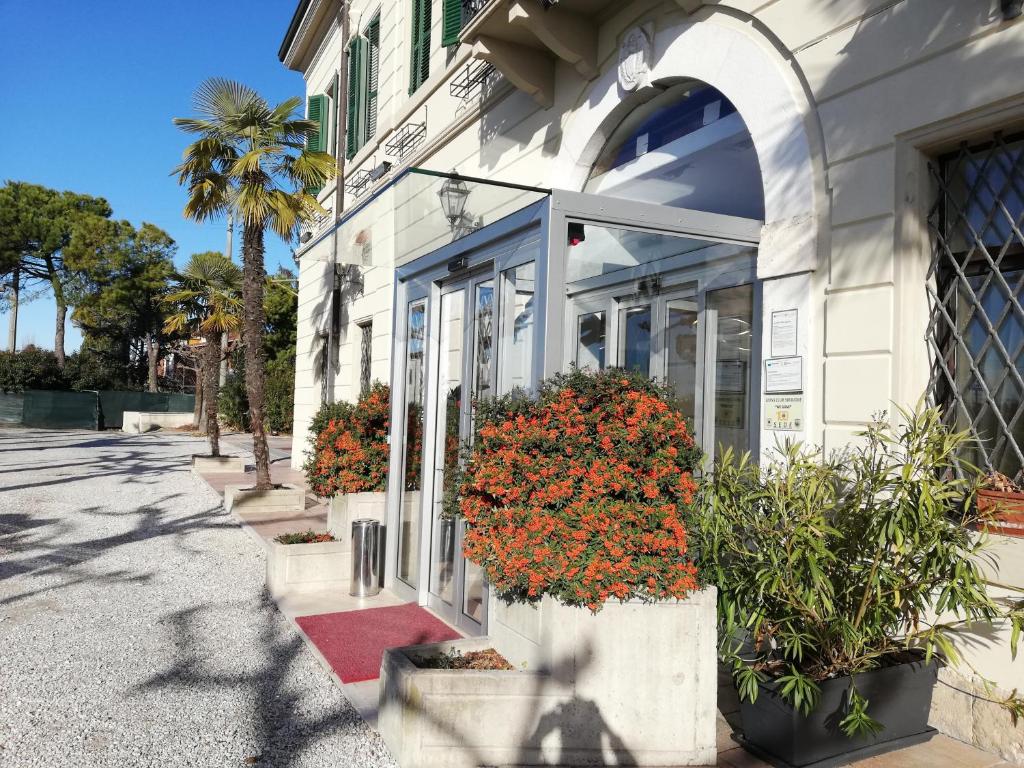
[(975, 282)]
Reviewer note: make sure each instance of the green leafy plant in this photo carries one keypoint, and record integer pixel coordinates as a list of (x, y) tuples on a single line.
[(831, 565), (31, 368), (233, 403)]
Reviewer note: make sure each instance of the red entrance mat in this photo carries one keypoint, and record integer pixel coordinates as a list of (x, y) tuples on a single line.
[(353, 642)]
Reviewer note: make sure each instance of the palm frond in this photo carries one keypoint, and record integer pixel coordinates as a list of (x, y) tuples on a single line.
[(220, 99)]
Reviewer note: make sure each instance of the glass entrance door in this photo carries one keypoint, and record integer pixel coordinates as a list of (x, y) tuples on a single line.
[(465, 373), (697, 341)]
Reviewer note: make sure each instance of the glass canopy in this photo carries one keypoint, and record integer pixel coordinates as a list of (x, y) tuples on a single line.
[(413, 215)]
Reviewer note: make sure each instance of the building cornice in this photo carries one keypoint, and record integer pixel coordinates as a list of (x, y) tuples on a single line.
[(302, 33)]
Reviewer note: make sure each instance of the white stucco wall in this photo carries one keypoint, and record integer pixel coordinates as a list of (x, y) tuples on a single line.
[(846, 102)]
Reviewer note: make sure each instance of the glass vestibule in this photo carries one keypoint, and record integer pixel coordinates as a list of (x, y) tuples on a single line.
[(480, 330), (675, 308), (668, 291)]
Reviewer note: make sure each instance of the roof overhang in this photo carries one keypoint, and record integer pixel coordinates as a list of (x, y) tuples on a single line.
[(308, 25)]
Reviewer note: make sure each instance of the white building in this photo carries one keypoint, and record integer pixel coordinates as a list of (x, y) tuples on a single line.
[(799, 212)]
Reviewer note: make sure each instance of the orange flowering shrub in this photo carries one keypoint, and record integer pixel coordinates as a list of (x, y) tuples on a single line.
[(583, 493), (350, 454)]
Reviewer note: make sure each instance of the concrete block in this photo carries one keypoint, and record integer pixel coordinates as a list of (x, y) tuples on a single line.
[(264, 504), (213, 464), (307, 567), (635, 684), (140, 422), (343, 509)]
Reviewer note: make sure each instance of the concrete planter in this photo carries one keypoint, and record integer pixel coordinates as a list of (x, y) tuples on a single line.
[(354, 506), (634, 685), (256, 505), (138, 422), (214, 464), (307, 567)]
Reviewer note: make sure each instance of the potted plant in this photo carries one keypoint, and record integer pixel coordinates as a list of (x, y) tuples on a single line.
[(1002, 499), (349, 461), (844, 579), (577, 504), (307, 561)]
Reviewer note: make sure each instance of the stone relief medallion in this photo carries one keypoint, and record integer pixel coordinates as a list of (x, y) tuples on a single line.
[(634, 58)]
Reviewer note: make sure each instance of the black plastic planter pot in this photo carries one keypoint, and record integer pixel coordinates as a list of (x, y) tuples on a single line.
[(899, 697)]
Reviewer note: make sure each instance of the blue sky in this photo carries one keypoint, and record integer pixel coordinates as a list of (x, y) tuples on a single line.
[(88, 90)]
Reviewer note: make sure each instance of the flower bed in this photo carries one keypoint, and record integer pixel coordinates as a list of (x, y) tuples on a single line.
[(453, 658), (306, 537), (577, 504), (584, 493)]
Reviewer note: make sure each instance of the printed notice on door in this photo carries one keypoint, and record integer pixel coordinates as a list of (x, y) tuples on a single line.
[(784, 413)]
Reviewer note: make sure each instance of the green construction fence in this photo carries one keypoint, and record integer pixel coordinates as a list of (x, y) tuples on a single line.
[(86, 410)]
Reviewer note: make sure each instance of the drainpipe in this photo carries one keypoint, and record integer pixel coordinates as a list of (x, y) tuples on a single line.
[(229, 252), (339, 187)]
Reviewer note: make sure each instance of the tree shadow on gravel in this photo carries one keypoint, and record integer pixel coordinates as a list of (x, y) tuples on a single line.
[(281, 722), (48, 549), (130, 457)]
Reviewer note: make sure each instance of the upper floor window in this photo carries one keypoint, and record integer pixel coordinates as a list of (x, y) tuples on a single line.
[(687, 147), (419, 64), (457, 14), (363, 72)]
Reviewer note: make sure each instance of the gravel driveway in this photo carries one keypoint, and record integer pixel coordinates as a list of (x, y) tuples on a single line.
[(134, 629)]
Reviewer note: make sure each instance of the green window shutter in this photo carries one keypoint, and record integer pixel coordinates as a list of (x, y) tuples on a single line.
[(354, 125), (372, 75), (420, 60), (317, 111), (451, 24), (352, 142)]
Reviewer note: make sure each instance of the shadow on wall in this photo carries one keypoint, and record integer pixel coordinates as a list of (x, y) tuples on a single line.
[(567, 729), (333, 311)]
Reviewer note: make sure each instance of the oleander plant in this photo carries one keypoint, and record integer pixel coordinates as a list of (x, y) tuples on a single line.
[(584, 492), (828, 566)]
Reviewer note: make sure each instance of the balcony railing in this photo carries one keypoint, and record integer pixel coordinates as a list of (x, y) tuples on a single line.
[(471, 8)]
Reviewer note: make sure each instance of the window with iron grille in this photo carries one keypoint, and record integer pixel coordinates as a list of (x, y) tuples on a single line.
[(975, 282), (365, 355)]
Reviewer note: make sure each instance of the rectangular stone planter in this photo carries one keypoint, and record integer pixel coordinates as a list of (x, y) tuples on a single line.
[(635, 684), (244, 499), (138, 422), (214, 464), (343, 509), (307, 567)]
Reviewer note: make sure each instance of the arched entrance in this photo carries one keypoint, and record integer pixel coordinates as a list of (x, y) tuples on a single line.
[(706, 76)]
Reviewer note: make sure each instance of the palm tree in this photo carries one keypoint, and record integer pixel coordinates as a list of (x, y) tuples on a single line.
[(206, 303), (250, 160)]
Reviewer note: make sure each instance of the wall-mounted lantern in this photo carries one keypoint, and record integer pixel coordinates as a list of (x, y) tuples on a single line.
[(453, 193)]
